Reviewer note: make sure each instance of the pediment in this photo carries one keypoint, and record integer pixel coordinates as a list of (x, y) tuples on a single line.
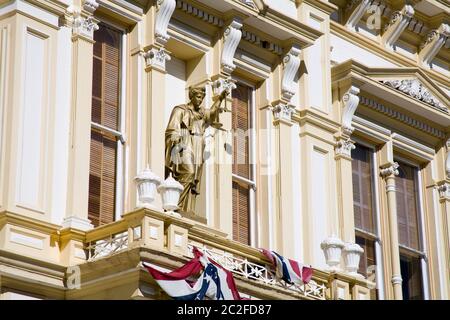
[(418, 90)]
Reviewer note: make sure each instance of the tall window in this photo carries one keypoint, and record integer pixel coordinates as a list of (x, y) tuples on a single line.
[(408, 219), (364, 207), (243, 166), (105, 124)]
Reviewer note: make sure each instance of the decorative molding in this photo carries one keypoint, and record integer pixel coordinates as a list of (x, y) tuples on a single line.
[(351, 102), (357, 13), (389, 169), (74, 222), (402, 117), (283, 111), (417, 90), (256, 40), (397, 280), (165, 9), (200, 14), (398, 22), (232, 37), (157, 57), (434, 41), (344, 147), (291, 64), (90, 6), (417, 26)]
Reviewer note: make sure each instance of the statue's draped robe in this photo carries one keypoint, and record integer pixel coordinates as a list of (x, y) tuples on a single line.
[(184, 151)]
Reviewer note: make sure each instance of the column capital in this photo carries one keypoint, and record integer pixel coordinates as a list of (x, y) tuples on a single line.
[(389, 170), (220, 84), (81, 20), (344, 147), (282, 112), (444, 190), (155, 58), (291, 62)]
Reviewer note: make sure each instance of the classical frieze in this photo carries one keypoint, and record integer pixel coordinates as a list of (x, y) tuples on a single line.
[(165, 9), (399, 116), (417, 90)]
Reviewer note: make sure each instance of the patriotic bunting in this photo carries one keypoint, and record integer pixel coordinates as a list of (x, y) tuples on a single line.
[(288, 270)]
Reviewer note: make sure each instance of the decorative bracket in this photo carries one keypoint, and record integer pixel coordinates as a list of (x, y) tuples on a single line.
[(291, 64), (232, 37), (397, 24), (165, 9), (358, 13), (351, 101), (434, 41)]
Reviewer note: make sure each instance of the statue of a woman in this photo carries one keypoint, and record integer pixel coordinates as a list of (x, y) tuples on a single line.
[(185, 144)]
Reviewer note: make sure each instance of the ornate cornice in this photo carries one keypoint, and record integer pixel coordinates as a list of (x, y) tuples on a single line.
[(399, 116), (200, 14), (256, 40), (291, 64), (417, 90)]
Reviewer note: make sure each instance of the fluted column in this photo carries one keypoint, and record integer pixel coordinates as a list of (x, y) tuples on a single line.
[(388, 172)]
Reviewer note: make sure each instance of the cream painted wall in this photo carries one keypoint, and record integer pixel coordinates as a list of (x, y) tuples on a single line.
[(176, 93), (344, 50), (287, 7)]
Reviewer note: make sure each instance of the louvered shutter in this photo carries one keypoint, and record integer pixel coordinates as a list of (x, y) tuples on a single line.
[(105, 111), (363, 189), (241, 163), (407, 207)]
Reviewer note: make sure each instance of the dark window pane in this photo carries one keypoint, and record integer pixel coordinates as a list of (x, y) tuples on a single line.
[(411, 272)]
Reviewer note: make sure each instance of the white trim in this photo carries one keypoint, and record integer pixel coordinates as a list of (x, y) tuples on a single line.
[(412, 146), (30, 11), (269, 122), (122, 9), (187, 35), (422, 235), (362, 125)]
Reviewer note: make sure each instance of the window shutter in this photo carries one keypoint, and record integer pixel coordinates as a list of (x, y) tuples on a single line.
[(105, 111), (363, 189), (241, 163), (407, 210)]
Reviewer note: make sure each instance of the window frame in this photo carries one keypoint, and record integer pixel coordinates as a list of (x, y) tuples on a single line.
[(422, 253), (121, 165), (377, 236)]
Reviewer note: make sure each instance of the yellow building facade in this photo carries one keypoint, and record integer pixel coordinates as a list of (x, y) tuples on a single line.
[(337, 139)]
